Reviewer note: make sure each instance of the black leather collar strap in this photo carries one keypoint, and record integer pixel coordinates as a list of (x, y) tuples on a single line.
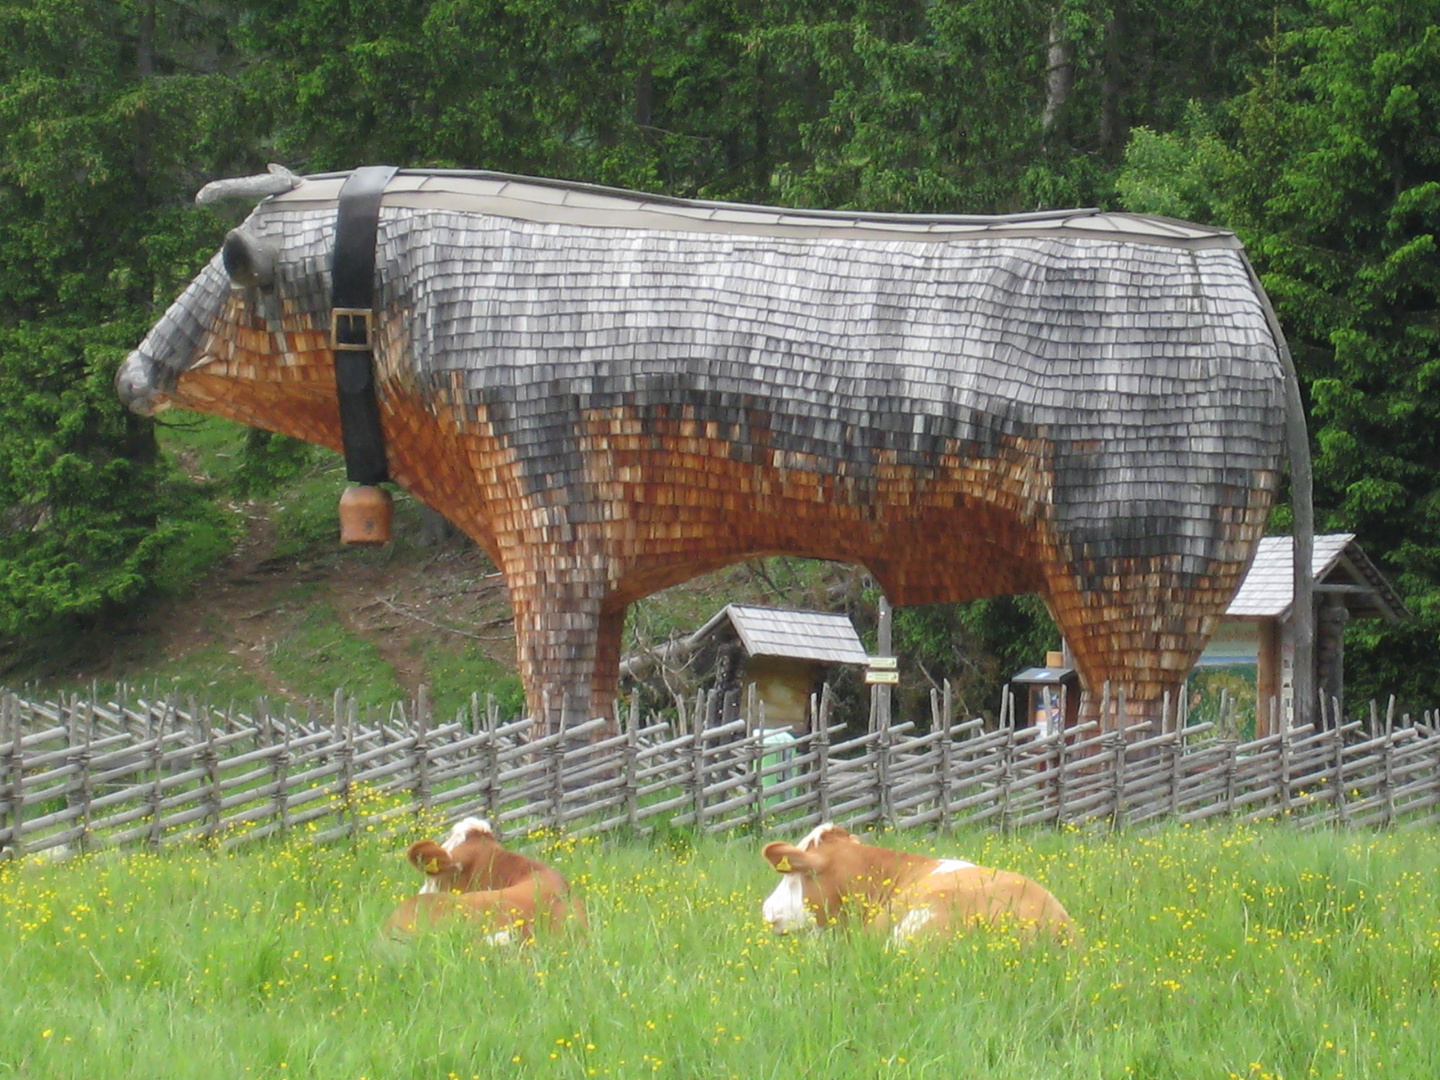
[(352, 302)]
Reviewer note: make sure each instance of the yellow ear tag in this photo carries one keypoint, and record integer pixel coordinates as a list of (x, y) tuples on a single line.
[(433, 866), (784, 864)]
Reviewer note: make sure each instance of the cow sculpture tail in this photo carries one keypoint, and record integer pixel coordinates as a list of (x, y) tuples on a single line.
[(1297, 440)]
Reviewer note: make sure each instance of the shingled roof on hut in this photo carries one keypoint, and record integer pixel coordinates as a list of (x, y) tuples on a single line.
[(1256, 628), (784, 653)]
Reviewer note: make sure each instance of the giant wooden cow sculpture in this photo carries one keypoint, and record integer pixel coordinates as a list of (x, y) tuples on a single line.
[(613, 392)]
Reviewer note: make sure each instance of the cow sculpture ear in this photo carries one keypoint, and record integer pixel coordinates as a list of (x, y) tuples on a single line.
[(787, 858), (428, 857), (248, 261)]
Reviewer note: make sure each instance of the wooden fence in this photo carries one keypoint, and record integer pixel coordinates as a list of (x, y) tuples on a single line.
[(79, 774)]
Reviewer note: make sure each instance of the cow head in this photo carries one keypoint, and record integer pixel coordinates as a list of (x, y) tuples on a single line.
[(454, 865), (814, 876)]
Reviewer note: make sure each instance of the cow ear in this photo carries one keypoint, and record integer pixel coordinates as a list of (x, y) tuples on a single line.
[(428, 857), (787, 858)]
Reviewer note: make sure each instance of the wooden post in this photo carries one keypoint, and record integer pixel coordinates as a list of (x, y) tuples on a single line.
[(883, 752), (492, 759), (947, 751), (1287, 789), (209, 759), (880, 692), (1062, 782), (349, 803), (822, 754), (280, 777), (753, 746), (632, 764), (556, 814), (1117, 742), (1342, 808), (422, 751), (697, 776), (1387, 778), (157, 792), (87, 780), (1232, 746), (1175, 748), (10, 722), (1007, 762)]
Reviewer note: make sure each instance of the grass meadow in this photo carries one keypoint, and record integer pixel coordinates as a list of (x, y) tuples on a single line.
[(1219, 952)]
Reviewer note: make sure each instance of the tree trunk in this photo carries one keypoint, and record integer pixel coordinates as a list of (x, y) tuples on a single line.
[(1059, 78)]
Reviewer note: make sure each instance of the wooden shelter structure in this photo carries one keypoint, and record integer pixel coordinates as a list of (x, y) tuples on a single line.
[(1258, 627), (613, 391), (785, 654)]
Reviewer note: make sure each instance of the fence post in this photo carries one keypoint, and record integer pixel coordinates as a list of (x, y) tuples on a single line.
[(157, 791), (1116, 742), (280, 770), (1387, 780), (422, 751), (347, 715), (1342, 808), (87, 781), (492, 759), (77, 758), (1176, 750), (1232, 748), (822, 755), (697, 774), (1062, 761), (946, 747), (10, 722), (753, 746), (883, 754), (209, 759), (555, 812), (632, 763)]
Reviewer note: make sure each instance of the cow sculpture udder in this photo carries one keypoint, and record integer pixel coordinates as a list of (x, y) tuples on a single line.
[(613, 392)]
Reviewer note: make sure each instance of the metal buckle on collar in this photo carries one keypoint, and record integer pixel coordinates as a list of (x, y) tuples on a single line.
[(354, 323)]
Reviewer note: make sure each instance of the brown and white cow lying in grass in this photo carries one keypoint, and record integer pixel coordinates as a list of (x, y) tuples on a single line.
[(830, 877), (470, 877)]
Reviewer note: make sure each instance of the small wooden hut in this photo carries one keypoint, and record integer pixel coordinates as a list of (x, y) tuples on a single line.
[(1257, 627), (785, 654)]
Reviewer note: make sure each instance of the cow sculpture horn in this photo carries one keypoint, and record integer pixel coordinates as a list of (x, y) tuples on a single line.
[(277, 180)]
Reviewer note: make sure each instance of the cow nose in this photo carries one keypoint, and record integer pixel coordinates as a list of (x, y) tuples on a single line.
[(135, 383)]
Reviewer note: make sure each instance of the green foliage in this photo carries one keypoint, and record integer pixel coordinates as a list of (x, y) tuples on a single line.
[(105, 109), (976, 646), (267, 461), (92, 521), (1208, 952), (1326, 166)]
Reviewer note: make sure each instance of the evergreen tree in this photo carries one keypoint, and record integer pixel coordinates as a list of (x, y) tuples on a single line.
[(107, 110), (1327, 166)]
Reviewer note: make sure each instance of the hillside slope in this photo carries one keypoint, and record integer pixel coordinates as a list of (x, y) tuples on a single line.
[(293, 615)]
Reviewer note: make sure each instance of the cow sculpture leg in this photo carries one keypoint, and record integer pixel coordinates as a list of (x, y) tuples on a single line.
[(568, 650), (1136, 642)]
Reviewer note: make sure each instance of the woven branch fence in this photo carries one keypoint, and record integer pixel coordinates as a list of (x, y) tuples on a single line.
[(77, 774)]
